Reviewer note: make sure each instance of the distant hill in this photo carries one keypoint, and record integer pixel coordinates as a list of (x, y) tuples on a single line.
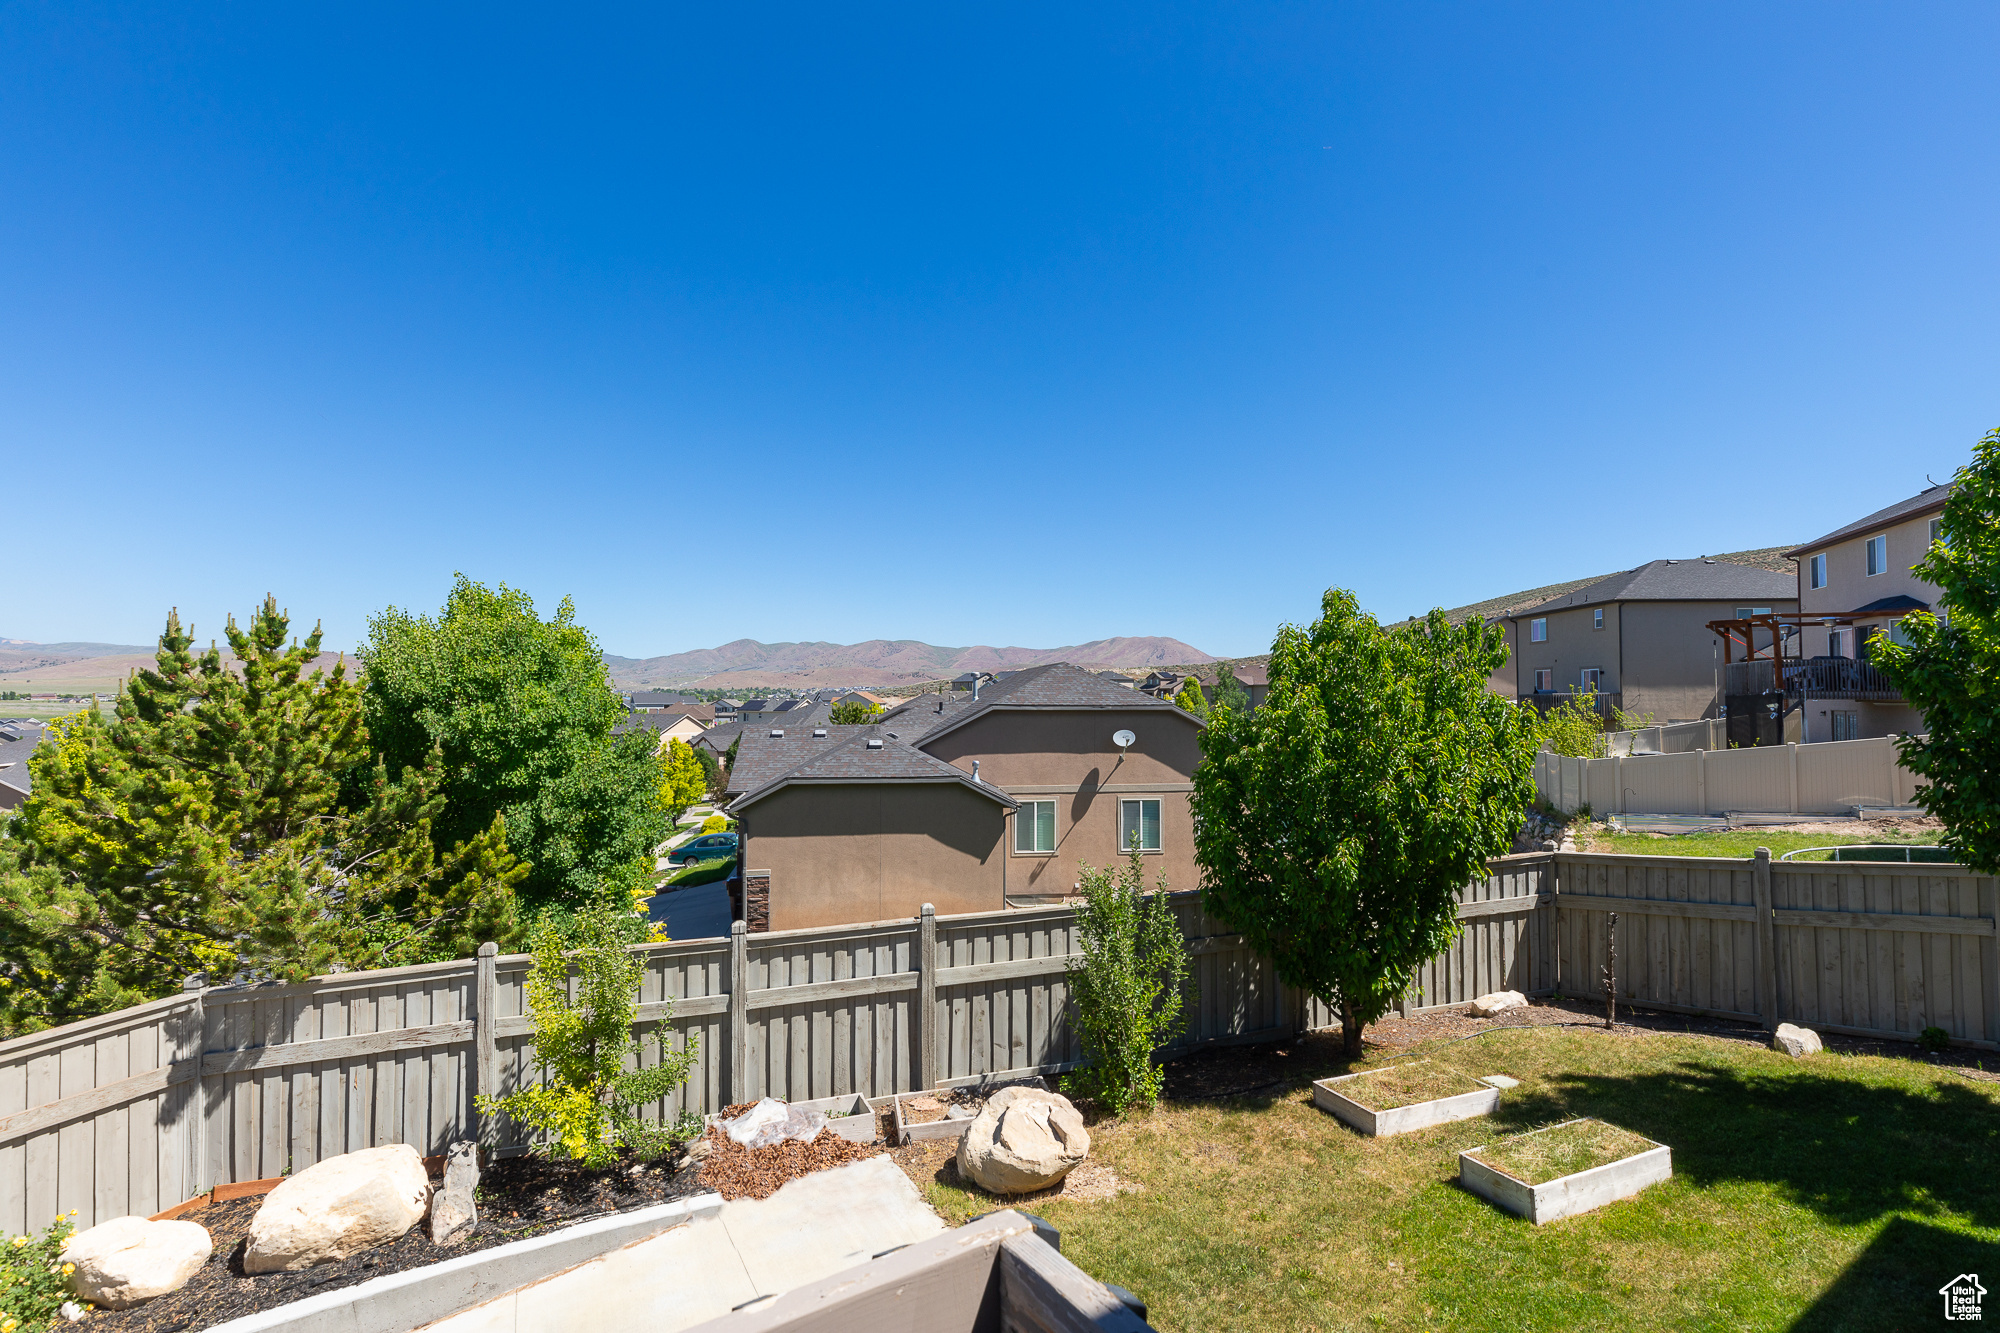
[(82, 668), (748, 664)]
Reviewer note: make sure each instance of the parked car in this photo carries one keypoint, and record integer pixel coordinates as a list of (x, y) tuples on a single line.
[(711, 847)]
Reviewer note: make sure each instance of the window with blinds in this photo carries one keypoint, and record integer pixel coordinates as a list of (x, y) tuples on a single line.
[(1035, 827), (1139, 825)]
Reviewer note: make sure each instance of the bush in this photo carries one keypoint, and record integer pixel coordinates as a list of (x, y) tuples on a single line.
[(1934, 1039), (714, 824), (589, 1105), (1573, 727), (34, 1281), (1129, 987)]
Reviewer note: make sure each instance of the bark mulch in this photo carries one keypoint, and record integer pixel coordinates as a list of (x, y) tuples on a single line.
[(737, 1172), (518, 1197)]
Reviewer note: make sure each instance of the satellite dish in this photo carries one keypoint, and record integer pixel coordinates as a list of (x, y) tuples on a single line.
[(1121, 739)]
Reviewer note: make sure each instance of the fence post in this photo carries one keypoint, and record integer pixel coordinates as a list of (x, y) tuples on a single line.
[(739, 1014), (926, 1001), (1793, 747), (1767, 942), (190, 1049), (485, 1047), (1701, 781)]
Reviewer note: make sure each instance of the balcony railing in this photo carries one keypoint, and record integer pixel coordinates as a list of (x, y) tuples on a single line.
[(1839, 678)]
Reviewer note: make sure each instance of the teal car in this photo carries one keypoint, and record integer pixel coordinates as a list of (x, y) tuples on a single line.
[(709, 847)]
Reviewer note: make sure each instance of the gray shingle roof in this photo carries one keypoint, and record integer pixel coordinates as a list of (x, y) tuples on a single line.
[(14, 753), (853, 759), (762, 756), (1057, 686), (1678, 581), (1921, 503)]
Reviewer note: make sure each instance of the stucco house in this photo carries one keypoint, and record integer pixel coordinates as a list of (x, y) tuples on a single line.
[(679, 724), (1640, 638), (1854, 584), (962, 800)]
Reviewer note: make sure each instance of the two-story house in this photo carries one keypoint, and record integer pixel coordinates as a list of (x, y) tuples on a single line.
[(1855, 583), (963, 800), (1640, 639)]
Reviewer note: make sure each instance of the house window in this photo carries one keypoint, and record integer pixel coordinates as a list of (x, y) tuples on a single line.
[(1035, 827), (1837, 644), (1846, 726), (1139, 825), (1816, 572), (1745, 612), (1937, 531), (1597, 618), (1590, 677), (1545, 680), (1538, 631), (1878, 555), (1898, 635)]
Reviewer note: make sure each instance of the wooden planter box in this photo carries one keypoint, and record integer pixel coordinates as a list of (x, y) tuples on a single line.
[(1402, 1119), (1566, 1196), (857, 1125)]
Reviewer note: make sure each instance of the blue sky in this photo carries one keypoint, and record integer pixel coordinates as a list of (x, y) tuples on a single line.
[(1006, 325)]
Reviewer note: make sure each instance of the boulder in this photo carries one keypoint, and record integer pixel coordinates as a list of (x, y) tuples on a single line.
[(129, 1259), (1024, 1139), (1796, 1041), (1499, 1002), (453, 1213), (337, 1208)]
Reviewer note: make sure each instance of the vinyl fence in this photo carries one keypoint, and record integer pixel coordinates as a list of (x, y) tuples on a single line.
[(1831, 777), (135, 1111)]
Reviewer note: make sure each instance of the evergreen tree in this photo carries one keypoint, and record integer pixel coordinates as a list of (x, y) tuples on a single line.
[(521, 712), (683, 780), (202, 829), (1191, 698), (1228, 692)]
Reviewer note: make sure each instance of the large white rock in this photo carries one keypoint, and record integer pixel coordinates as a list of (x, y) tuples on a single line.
[(1499, 1002), (339, 1207), (1024, 1139), (129, 1259), (1796, 1041)]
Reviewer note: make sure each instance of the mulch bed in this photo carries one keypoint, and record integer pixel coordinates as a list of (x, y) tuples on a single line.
[(737, 1172), (518, 1197)]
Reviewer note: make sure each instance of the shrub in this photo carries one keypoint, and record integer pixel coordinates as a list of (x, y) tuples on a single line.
[(1934, 1039), (589, 1105), (34, 1281), (1573, 727), (1129, 987), (714, 824)]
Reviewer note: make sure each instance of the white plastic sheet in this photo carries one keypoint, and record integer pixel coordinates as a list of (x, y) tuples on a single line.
[(771, 1121)]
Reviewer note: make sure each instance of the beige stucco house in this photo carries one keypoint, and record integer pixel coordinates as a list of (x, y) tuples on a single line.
[(1640, 639), (963, 800), (1855, 583)]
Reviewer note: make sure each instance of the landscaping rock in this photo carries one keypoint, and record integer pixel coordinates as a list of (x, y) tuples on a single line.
[(1499, 1002), (1025, 1139), (1796, 1041), (453, 1214), (129, 1259), (340, 1207)]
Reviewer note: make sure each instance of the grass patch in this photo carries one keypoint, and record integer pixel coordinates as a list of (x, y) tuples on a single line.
[(1406, 1084), (1833, 1193), (701, 872), (1736, 842), (1542, 1155)]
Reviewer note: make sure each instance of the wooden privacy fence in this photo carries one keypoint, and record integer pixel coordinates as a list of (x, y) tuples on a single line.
[(135, 1111), (1830, 777)]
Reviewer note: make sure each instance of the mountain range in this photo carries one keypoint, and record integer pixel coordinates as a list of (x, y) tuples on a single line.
[(749, 664)]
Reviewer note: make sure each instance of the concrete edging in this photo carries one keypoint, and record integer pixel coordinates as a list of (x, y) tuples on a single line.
[(399, 1302)]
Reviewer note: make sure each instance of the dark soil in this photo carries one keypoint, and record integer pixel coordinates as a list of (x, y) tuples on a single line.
[(518, 1197)]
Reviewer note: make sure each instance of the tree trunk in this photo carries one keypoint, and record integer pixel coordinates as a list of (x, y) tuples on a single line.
[(1350, 1031)]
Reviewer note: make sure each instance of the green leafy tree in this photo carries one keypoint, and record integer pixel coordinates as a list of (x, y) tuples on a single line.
[(590, 1104), (1572, 727), (520, 711), (854, 714), (1336, 824), (682, 781), (1228, 692), (711, 770), (202, 829), (1191, 698), (1950, 669), (1129, 986)]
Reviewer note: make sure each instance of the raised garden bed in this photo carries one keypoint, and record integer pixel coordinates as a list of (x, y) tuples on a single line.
[(851, 1117), (737, 1172), (942, 1113), (518, 1198), (1565, 1169), (1404, 1097)]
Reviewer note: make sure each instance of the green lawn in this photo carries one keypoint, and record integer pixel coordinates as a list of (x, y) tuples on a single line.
[(1833, 1193), (1737, 842), (701, 872)]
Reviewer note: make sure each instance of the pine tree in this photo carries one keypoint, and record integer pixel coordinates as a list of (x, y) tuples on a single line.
[(203, 829)]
